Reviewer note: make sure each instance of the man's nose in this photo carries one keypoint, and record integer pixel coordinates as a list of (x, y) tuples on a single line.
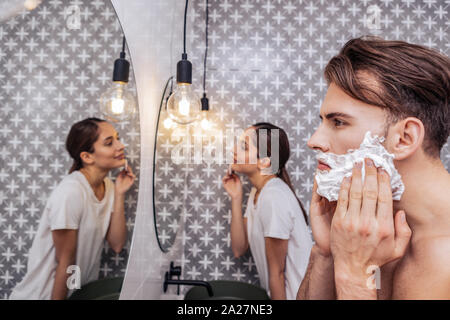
[(318, 141)]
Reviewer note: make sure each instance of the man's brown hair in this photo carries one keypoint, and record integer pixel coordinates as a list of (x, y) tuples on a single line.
[(408, 80)]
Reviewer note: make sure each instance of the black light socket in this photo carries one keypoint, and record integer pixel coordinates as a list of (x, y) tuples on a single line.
[(205, 103), (184, 70), (121, 69)]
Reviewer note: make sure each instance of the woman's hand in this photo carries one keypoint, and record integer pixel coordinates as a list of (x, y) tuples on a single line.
[(233, 186), (364, 232), (124, 180), (320, 214)]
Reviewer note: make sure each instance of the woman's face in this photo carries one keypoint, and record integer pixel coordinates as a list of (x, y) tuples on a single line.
[(108, 150), (245, 153)]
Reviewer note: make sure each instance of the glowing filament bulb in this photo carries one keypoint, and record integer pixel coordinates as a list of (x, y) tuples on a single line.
[(117, 105), (168, 123), (206, 124), (184, 106)]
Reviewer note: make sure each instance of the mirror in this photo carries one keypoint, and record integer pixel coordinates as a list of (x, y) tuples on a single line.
[(55, 62)]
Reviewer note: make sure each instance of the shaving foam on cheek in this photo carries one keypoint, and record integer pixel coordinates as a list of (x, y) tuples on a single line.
[(329, 182)]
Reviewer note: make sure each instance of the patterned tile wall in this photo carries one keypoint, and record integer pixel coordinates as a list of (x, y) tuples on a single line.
[(265, 63), (52, 73)]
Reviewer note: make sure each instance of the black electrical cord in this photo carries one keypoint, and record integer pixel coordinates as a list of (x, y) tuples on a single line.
[(204, 100), (184, 66), (154, 159), (122, 54), (184, 35), (206, 48), (170, 92)]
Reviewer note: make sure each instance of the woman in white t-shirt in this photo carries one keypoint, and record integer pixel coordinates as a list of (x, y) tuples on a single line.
[(84, 209), (274, 225)]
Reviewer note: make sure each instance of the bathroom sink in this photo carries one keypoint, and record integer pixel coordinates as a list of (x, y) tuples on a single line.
[(228, 290)]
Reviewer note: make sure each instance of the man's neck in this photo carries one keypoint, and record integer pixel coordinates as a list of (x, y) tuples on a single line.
[(426, 198)]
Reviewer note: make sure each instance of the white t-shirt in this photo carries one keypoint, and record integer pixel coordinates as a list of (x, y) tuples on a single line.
[(72, 205), (277, 214)]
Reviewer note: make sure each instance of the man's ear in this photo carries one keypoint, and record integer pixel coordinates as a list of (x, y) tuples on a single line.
[(407, 137), (86, 157)]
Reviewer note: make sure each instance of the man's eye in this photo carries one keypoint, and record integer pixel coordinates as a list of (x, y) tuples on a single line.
[(338, 123)]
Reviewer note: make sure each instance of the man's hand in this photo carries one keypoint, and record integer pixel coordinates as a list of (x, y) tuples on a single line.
[(318, 282), (364, 232), (320, 214)]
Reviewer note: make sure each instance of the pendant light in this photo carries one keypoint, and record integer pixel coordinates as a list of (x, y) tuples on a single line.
[(183, 105), (118, 103)]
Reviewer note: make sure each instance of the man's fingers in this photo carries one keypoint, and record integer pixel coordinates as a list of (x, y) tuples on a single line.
[(402, 234), (342, 204), (355, 199), (370, 190), (384, 202), (315, 196)]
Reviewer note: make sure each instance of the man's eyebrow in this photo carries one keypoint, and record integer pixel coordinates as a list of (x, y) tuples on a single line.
[(337, 114)]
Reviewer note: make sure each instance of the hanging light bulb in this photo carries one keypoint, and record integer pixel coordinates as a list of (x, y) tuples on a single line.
[(118, 103), (183, 105), (169, 123), (205, 123)]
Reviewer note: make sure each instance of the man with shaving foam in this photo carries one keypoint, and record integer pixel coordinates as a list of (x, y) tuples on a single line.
[(380, 209)]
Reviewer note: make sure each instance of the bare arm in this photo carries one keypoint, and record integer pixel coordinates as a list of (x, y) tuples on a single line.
[(65, 242), (318, 283), (117, 230), (239, 240), (276, 251)]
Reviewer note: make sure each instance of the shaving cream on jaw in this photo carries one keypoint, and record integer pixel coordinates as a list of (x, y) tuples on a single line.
[(329, 182)]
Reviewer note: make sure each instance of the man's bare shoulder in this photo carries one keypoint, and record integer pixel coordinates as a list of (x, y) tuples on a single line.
[(424, 272)]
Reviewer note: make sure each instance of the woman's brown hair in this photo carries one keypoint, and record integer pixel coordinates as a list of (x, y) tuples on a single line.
[(284, 154), (81, 138), (406, 79)]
